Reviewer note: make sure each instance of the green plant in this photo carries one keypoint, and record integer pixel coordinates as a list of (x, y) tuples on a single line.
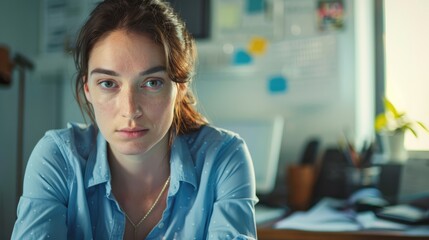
[(391, 121)]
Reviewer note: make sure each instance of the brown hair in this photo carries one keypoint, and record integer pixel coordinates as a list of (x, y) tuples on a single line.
[(156, 19)]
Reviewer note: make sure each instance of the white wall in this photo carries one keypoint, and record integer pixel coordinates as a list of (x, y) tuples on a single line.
[(19, 29), (327, 108), (339, 103)]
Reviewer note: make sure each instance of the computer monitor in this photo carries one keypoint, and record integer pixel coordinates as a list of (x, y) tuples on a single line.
[(263, 138), (196, 15)]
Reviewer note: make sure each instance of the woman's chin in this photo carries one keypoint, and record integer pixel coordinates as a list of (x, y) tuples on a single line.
[(131, 149)]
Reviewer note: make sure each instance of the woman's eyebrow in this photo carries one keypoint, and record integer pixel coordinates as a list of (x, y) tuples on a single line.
[(153, 70), (115, 74), (104, 71)]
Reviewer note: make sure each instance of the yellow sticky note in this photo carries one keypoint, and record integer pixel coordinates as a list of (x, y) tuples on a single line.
[(258, 46)]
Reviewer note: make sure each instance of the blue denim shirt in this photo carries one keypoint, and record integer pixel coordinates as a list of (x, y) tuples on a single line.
[(67, 190)]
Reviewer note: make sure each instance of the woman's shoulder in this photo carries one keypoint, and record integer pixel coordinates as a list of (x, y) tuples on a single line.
[(76, 137), (74, 132), (210, 136), (214, 133)]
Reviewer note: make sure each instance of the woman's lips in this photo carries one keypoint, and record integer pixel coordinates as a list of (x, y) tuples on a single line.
[(132, 132)]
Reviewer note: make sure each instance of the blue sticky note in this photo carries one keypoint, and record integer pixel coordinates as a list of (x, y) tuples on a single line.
[(277, 84), (241, 57), (255, 6)]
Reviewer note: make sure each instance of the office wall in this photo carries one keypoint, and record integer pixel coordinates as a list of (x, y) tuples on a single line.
[(338, 102), (19, 29), (327, 105)]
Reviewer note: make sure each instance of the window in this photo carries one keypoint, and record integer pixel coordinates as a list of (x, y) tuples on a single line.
[(407, 63)]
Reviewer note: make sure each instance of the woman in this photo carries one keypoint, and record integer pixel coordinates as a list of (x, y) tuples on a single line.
[(149, 166)]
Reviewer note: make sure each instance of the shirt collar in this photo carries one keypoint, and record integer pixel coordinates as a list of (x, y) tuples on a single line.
[(97, 169), (182, 166)]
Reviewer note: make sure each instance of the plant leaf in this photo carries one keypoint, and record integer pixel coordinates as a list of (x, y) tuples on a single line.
[(391, 108), (423, 126), (407, 126)]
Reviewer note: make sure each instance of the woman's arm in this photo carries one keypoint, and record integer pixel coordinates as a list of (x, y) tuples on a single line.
[(42, 208), (233, 215)]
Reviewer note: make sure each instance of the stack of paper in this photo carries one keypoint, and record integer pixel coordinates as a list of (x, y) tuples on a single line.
[(328, 215)]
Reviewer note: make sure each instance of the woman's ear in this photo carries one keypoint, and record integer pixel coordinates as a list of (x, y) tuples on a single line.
[(86, 89)]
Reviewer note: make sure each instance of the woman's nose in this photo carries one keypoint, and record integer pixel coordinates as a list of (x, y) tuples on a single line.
[(131, 108)]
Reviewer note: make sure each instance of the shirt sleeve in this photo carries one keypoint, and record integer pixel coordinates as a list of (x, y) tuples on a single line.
[(42, 208), (233, 215)]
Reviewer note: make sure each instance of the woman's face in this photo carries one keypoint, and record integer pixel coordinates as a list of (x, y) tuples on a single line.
[(132, 96)]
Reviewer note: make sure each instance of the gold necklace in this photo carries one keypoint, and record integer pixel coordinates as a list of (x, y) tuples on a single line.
[(136, 226)]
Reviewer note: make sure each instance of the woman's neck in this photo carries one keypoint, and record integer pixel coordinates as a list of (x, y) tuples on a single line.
[(134, 171)]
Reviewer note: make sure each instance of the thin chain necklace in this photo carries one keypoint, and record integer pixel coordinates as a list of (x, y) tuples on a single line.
[(136, 226)]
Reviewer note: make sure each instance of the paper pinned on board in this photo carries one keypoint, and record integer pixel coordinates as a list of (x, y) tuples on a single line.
[(258, 46), (255, 6), (277, 84), (241, 57), (229, 15)]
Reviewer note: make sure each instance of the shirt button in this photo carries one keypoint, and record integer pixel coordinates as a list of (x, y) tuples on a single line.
[(161, 225)]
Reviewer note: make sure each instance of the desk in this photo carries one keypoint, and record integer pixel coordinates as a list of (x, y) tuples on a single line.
[(266, 233), (314, 226)]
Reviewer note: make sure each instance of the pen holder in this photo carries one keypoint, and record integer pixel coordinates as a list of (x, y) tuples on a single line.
[(300, 181), (358, 178)]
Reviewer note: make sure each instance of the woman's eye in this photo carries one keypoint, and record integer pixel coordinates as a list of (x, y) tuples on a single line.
[(154, 84), (107, 84)]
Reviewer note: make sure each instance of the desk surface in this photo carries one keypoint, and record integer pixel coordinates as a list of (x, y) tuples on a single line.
[(314, 226), (266, 233)]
